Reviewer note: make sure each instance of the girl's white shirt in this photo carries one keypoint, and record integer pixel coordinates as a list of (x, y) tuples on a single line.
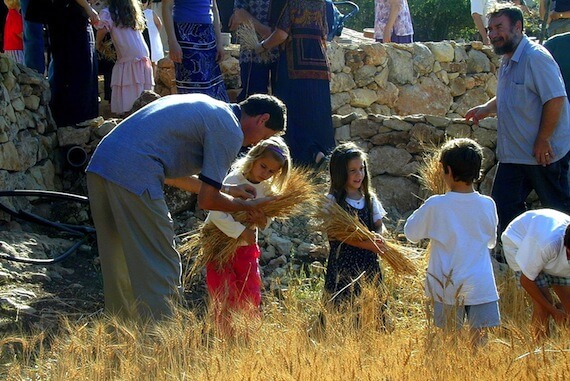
[(225, 221), (378, 211)]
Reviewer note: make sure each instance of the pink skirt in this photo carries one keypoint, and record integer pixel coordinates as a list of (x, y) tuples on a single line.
[(128, 80)]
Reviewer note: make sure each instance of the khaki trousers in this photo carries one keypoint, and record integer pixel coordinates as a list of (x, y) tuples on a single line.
[(135, 237)]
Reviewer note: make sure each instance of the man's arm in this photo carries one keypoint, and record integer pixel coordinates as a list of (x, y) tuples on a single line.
[(551, 112), (482, 111), (193, 183), (539, 297), (210, 198)]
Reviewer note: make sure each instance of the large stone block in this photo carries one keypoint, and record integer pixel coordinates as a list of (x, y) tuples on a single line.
[(430, 96)]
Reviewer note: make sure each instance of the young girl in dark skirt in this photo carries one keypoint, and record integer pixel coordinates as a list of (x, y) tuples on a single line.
[(352, 263)]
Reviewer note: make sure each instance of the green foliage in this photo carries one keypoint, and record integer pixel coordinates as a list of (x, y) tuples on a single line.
[(434, 20)]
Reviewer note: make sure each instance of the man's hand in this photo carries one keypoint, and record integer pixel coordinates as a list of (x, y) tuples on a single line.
[(542, 151), (243, 191), (248, 236), (560, 316), (477, 113), (258, 203)]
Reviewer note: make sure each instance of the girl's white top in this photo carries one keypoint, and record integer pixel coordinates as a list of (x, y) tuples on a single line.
[(378, 211), (225, 221)]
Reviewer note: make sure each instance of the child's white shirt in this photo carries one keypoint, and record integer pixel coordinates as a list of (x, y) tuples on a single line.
[(462, 228), (538, 236), (225, 221)]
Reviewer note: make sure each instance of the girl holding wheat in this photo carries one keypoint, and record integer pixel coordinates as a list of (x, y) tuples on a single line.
[(353, 260), (236, 283)]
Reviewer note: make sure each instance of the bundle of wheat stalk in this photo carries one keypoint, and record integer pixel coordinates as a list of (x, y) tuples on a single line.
[(430, 172), (107, 50), (248, 39), (210, 245), (340, 225)]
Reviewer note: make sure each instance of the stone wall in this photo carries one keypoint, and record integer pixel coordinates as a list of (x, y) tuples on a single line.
[(372, 86), (27, 131)]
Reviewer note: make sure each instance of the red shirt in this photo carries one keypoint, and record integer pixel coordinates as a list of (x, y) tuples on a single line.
[(14, 26)]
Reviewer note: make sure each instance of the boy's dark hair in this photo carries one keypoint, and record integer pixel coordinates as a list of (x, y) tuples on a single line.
[(258, 104), (464, 157), (567, 237), (510, 10)]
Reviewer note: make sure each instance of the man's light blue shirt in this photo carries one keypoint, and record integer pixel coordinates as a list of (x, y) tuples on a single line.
[(527, 81)]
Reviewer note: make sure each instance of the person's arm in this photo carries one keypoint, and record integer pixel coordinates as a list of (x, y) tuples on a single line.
[(210, 198), (192, 184), (241, 15), (482, 111), (91, 13), (537, 295), (374, 246), (559, 15), (394, 10), (157, 21), (218, 31), (99, 39), (478, 19), (174, 50), (275, 39), (551, 112)]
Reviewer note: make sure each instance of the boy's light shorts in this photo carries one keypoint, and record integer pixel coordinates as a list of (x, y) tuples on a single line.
[(478, 315)]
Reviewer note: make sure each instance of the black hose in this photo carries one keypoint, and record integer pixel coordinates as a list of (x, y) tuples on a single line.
[(50, 261), (85, 232)]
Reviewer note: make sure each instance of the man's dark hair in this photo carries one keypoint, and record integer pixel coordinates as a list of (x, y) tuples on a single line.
[(510, 10), (567, 237), (464, 157), (258, 104)]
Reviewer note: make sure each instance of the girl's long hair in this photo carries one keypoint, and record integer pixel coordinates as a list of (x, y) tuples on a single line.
[(127, 14), (276, 147), (338, 167)]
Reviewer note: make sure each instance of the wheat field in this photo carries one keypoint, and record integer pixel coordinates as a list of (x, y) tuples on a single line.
[(287, 343)]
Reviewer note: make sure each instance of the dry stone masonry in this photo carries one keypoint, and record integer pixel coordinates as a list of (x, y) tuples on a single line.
[(392, 99)]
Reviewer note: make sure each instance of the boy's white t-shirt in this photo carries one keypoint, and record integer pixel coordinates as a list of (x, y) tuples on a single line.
[(538, 236), (225, 221), (462, 228)]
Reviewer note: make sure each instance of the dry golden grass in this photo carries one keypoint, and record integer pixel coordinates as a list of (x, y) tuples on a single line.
[(340, 225), (108, 51), (210, 245), (430, 172), (282, 346)]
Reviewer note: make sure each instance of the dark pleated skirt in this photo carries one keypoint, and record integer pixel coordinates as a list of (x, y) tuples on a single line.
[(309, 121), (73, 70)]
